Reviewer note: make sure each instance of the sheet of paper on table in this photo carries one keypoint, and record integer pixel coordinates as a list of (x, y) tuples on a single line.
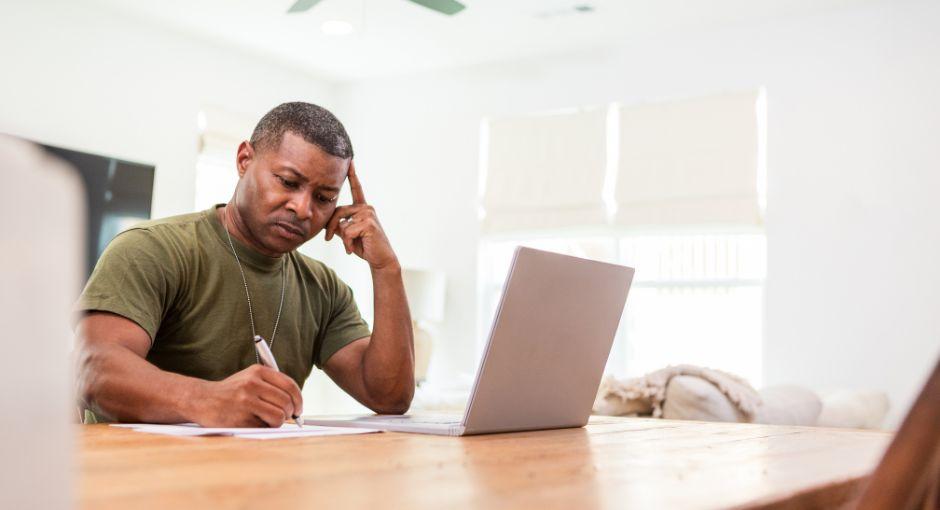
[(287, 430)]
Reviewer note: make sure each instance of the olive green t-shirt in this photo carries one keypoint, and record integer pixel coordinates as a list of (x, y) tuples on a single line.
[(178, 279)]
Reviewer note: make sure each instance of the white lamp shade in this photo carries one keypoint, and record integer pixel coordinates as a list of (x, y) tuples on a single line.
[(425, 291)]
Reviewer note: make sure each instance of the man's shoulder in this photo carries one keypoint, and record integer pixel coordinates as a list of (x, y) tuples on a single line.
[(322, 274), (173, 236), (171, 224), (313, 265), (181, 228)]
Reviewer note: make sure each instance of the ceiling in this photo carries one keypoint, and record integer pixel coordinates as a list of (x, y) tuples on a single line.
[(398, 37)]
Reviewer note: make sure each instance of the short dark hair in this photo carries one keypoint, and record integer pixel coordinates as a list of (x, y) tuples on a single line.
[(314, 123)]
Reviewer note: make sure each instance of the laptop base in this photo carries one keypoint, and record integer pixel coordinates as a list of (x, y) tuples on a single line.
[(443, 425)]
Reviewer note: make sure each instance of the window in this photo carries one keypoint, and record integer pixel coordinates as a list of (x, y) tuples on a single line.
[(673, 189), (220, 133), (216, 175), (695, 298)]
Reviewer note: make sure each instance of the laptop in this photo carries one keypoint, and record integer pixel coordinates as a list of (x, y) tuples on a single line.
[(545, 355)]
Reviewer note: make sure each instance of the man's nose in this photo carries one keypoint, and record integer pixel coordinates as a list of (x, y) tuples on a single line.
[(301, 204)]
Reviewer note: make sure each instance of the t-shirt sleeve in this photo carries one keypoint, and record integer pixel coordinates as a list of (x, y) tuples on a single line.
[(135, 278), (345, 323)]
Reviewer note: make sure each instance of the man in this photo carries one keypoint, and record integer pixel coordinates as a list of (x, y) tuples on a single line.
[(169, 314)]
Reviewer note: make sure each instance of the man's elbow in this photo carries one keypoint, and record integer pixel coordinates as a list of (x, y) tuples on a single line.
[(394, 403), (395, 408), (91, 374)]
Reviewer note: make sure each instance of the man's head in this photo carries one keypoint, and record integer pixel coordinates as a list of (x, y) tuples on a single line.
[(290, 173)]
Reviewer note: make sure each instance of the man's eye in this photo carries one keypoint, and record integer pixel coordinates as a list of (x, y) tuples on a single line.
[(287, 184), (325, 199)]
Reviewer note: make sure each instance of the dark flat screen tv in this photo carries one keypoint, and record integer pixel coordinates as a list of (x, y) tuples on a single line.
[(119, 194)]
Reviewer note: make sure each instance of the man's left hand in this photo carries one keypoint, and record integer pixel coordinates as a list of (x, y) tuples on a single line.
[(359, 228)]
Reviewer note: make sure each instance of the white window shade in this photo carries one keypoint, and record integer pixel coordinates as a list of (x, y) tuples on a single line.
[(216, 176), (689, 163), (545, 172)]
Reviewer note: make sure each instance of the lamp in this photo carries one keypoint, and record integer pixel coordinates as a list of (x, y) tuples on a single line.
[(425, 290)]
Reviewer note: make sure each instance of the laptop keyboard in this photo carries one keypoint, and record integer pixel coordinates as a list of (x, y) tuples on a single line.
[(418, 419)]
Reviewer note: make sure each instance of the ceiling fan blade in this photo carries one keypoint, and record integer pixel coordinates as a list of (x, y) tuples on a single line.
[(303, 5), (448, 7)]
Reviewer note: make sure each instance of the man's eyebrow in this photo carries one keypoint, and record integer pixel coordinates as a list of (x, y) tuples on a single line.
[(328, 188), (299, 176)]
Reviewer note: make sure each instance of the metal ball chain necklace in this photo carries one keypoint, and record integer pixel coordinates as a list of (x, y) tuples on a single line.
[(251, 316)]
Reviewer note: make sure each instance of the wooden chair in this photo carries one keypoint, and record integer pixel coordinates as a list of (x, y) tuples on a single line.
[(908, 476)]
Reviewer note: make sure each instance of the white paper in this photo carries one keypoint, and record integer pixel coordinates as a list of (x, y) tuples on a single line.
[(287, 430)]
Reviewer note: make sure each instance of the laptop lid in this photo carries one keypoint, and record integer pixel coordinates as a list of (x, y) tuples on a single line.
[(549, 342)]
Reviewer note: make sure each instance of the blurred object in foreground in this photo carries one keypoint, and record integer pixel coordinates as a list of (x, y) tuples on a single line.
[(43, 214), (908, 477)]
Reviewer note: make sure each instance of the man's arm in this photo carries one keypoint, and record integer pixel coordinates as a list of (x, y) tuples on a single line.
[(116, 380), (378, 371)]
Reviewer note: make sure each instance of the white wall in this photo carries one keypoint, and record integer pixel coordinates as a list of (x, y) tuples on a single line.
[(853, 164), (78, 75)]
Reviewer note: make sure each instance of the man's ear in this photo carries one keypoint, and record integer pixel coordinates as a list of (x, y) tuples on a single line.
[(244, 156)]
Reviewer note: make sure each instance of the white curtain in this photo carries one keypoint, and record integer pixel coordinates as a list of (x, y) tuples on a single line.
[(689, 163), (545, 172)]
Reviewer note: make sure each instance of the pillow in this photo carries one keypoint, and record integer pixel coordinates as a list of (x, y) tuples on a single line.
[(855, 409), (788, 405), (693, 398)]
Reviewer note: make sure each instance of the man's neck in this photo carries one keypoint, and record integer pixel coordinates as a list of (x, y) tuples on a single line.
[(236, 227)]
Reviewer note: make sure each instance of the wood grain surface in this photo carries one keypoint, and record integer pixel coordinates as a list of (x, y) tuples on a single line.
[(611, 463)]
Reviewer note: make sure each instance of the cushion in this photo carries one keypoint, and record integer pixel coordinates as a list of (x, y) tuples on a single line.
[(693, 398), (788, 405), (855, 409)]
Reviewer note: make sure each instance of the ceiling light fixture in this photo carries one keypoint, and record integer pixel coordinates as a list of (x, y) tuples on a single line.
[(336, 27)]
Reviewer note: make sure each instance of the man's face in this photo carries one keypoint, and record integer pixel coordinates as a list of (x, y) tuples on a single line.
[(287, 194)]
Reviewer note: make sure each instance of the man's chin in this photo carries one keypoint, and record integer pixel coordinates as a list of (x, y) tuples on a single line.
[(285, 237), (280, 245)]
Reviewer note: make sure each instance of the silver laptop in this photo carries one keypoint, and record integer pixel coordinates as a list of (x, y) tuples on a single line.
[(545, 356)]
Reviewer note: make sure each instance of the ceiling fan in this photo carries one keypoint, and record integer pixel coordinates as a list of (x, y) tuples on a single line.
[(448, 7)]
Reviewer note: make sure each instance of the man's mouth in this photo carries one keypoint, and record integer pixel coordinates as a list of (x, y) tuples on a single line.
[(289, 231)]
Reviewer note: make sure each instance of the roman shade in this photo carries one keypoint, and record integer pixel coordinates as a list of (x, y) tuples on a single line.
[(545, 171), (689, 163)]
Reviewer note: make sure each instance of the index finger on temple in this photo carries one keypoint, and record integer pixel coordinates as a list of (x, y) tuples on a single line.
[(354, 185)]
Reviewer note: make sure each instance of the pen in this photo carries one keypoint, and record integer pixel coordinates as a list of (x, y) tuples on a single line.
[(267, 359)]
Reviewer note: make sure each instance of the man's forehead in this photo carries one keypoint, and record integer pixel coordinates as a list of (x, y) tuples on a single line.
[(328, 179), (309, 161)]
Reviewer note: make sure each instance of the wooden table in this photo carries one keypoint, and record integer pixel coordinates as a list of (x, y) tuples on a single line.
[(612, 463)]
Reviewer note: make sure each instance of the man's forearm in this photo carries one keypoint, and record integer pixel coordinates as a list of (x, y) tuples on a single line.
[(120, 385), (388, 362)]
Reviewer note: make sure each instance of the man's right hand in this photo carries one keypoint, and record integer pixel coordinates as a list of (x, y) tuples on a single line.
[(257, 396), (117, 382)]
